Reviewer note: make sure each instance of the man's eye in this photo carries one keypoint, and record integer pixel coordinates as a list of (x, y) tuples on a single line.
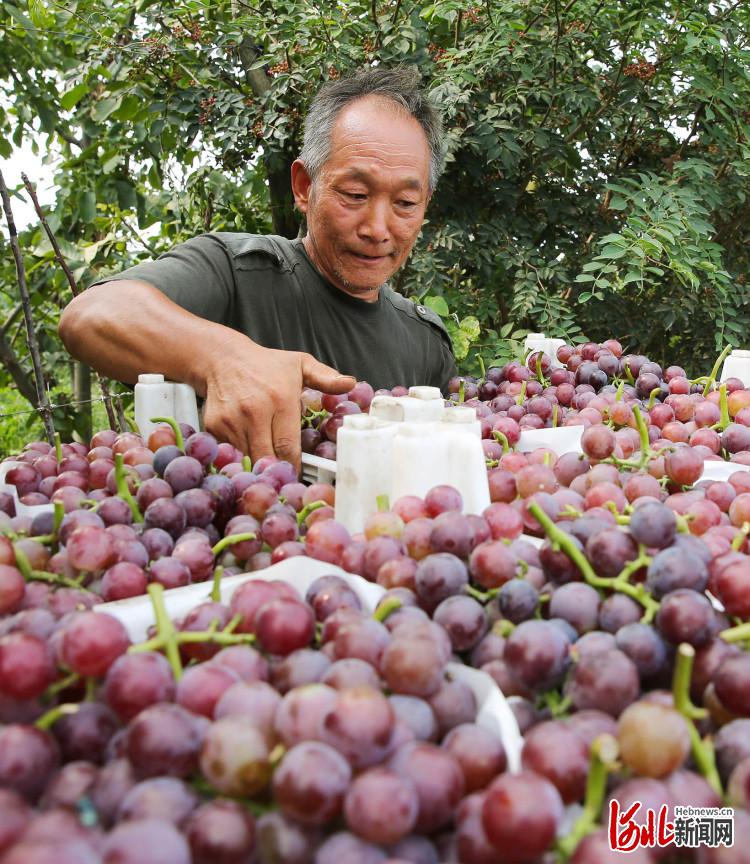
[(355, 196), (407, 204)]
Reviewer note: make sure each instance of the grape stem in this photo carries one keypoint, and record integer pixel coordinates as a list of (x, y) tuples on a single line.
[(386, 609), (230, 540), (740, 537), (620, 389), (216, 586), (383, 504), (604, 752), (715, 371), (461, 391), (482, 366), (49, 718), (501, 439), (178, 439), (481, 596), (565, 543), (652, 397), (122, 488), (740, 633), (247, 465), (308, 509), (702, 750), (724, 419), (522, 395), (555, 412), (643, 560), (58, 448)]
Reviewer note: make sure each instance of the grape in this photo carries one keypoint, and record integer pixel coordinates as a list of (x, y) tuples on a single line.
[(345, 848), (378, 552), (589, 724), (25, 666), (359, 725), (644, 646), (398, 573), (158, 543), (480, 754), (328, 593), (135, 681), (732, 745), (518, 600), (300, 714), (464, 620), (15, 815), (361, 637), (555, 751), (92, 642), (417, 714), (220, 832), (146, 841), (123, 580), (412, 666), (381, 806), (201, 687), (167, 515), (538, 654), (610, 550), (520, 815), (654, 740), (653, 525), (732, 683), (282, 841), (234, 757), (595, 849), (452, 532), (303, 666), (66, 851), (607, 681), (686, 616), (164, 739), (164, 798), (169, 572), (90, 548), (675, 568), (310, 783), (442, 499), (618, 610), (439, 576), (196, 554), (578, 604), (437, 777), (453, 704), (283, 625), (350, 672), (492, 564), (732, 587), (86, 733), (472, 844), (28, 758), (327, 541), (416, 850)]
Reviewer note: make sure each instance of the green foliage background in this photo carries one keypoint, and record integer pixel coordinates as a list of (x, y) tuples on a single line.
[(598, 165)]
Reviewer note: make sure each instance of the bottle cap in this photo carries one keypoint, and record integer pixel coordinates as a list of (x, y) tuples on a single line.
[(151, 378)]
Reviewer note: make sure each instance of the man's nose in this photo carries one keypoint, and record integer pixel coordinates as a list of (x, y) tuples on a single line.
[(374, 225)]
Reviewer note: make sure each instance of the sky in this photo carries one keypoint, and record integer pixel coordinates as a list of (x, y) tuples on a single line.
[(24, 160)]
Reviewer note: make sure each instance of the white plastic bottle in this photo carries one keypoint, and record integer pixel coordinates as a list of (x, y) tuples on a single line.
[(154, 397), (422, 405)]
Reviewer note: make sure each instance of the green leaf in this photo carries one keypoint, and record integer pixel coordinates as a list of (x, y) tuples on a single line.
[(104, 107), (38, 13), (87, 206), (437, 304), (73, 96)]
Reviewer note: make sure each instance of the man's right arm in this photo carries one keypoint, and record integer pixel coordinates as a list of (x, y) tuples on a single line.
[(126, 327)]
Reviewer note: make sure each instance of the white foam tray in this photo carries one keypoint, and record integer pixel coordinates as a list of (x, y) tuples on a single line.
[(21, 509), (493, 711), (561, 440)]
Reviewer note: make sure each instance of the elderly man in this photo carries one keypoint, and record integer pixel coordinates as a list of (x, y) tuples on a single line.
[(250, 320)]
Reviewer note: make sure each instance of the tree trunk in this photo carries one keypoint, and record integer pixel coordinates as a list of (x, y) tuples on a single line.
[(9, 359), (278, 166), (82, 394)]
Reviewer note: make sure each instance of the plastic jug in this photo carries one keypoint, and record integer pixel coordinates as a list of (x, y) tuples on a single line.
[(539, 342), (155, 397), (737, 365), (422, 405)]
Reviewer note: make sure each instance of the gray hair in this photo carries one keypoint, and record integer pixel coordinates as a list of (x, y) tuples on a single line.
[(400, 84)]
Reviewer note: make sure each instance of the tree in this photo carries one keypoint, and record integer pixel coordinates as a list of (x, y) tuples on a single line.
[(597, 173)]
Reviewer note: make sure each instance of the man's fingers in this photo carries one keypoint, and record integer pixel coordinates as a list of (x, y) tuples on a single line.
[(321, 377), (286, 433)]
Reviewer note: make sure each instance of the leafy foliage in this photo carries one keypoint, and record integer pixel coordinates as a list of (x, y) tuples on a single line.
[(597, 169)]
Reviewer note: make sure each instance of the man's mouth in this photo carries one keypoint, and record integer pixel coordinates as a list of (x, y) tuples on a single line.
[(372, 258)]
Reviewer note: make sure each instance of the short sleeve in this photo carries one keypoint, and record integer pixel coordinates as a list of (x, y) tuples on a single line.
[(196, 275)]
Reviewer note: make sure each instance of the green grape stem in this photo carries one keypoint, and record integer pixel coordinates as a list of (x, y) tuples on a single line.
[(604, 751), (701, 749), (715, 371), (501, 439), (178, 438), (308, 509), (231, 540), (49, 718), (58, 448), (565, 543), (216, 586), (386, 609), (383, 504), (122, 488)]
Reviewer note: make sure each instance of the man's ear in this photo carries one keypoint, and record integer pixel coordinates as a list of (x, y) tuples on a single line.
[(301, 185)]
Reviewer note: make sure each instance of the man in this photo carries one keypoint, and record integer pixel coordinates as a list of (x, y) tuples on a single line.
[(248, 321)]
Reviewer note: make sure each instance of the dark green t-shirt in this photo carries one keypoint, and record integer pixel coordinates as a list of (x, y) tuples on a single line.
[(267, 288)]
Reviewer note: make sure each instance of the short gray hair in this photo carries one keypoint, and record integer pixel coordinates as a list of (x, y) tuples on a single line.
[(400, 84)]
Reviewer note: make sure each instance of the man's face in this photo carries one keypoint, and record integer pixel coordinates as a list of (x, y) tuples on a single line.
[(366, 207)]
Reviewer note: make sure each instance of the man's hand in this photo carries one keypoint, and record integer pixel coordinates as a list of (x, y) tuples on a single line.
[(253, 397)]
